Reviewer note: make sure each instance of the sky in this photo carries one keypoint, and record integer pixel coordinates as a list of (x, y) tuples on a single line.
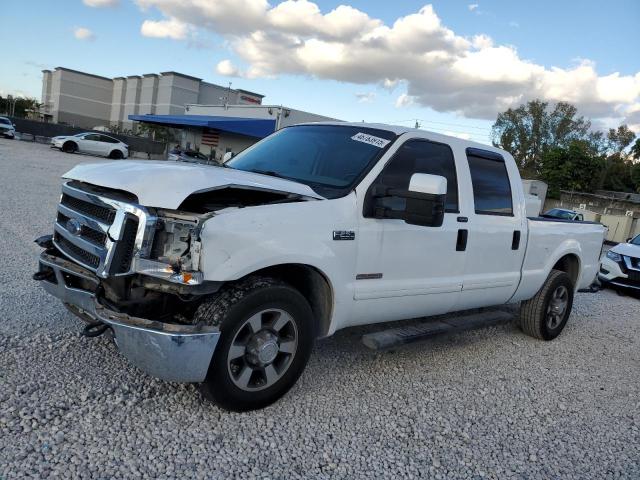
[(451, 65)]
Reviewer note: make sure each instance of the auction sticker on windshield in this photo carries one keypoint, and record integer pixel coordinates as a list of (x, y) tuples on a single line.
[(370, 139)]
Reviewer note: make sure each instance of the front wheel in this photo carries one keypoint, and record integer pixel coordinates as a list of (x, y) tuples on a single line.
[(69, 147), (267, 331), (545, 315), (116, 155)]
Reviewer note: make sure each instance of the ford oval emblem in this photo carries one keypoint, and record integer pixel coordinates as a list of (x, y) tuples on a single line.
[(74, 227)]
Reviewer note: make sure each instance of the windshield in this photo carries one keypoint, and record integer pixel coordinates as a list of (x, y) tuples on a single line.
[(635, 240), (328, 158), (561, 214), (5, 121)]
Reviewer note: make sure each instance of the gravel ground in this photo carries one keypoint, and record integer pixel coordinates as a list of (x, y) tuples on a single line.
[(490, 403)]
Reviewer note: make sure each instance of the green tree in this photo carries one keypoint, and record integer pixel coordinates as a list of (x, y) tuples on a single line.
[(20, 107), (575, 167), (159, 133), (635, 176), (619, 138), (616, 174), (530, 130), (635, 150)]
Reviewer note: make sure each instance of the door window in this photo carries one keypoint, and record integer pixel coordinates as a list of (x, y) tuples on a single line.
[(490, 181), (106, 139), (92, 136), (420, 156)]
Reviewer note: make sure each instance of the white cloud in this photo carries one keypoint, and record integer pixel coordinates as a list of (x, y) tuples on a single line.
[(227, 68), (404, 100), (170, 28), (366, 97), (101, 3), (82, 33), (440, 69), (390, 84), (514, 24), (472, 6)]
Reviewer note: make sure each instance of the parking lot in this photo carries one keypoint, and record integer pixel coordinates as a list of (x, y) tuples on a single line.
[(491, 403)]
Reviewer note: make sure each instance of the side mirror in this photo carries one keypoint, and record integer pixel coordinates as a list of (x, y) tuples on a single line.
[(227, 156), (422, 204), (428, 184)]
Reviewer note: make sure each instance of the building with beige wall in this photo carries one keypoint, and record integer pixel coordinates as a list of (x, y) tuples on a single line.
[(88, 100)]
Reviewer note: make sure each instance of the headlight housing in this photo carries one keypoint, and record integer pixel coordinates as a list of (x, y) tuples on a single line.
[(616, 257), (175, 254)]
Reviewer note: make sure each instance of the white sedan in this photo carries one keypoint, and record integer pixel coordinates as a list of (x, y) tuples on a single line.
[(92, 143)]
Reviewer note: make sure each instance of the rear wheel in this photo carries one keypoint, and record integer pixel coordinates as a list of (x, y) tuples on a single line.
[(545, 315), (267, 331), (116, 154), (69, 147)]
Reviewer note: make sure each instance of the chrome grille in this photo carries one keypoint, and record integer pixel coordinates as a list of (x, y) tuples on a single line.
[(100, 233), (95, 236), (102, 214)]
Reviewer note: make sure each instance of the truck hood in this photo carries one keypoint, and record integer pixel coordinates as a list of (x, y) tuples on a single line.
[(165, 184), (627, 249)]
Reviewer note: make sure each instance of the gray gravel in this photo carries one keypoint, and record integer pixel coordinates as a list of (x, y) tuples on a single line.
[(486, 404)]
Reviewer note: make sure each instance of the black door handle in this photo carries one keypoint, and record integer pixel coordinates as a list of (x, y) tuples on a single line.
[(461, 242), (515, 243)]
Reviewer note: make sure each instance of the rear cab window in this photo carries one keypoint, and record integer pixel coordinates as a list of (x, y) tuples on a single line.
[(490, 182)]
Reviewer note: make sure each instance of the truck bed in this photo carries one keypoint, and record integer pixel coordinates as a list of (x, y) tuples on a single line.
[(550, 240)]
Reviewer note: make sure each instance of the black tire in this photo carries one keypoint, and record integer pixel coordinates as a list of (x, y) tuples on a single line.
[(535, 313), (116, 155), (230, 309), (69, 147)]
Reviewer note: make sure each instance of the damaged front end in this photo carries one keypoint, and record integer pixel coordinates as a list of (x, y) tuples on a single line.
[(136, 270)]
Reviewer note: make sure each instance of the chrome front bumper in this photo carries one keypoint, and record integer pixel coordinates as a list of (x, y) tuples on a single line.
[(172, 352)]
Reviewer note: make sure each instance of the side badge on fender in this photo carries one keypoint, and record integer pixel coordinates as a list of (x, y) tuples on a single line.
[(344, 235)]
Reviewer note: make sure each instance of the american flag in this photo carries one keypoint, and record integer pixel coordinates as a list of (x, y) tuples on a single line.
[(210, 137)]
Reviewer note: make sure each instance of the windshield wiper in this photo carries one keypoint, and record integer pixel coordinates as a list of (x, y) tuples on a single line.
[(270, 173)]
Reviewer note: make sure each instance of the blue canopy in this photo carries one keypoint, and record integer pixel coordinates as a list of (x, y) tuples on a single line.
[(251, 127)]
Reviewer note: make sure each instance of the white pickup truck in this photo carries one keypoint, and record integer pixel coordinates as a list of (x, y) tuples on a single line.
[(225, 276)]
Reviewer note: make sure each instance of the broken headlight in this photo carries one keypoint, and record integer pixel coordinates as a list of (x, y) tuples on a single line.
[(175, 253)]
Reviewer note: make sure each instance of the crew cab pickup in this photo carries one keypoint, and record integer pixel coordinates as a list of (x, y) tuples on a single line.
[(226, 275)]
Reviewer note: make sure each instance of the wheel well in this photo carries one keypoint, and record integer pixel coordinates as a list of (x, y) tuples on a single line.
[(70, 142), (570, 264), (312, 284)]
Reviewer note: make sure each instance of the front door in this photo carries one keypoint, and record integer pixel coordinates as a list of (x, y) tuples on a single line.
[(91, 144), (496, 242), (407, 270)]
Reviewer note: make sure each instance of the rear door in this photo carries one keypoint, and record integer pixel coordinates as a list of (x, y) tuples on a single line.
[(495, 240), (108, 144)]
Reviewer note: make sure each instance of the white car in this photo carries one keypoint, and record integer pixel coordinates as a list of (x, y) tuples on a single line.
[(7, 128), (225, 276), (93, 144), (621, 265)]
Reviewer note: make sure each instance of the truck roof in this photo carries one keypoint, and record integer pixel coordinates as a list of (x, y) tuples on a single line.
[(399, 130)]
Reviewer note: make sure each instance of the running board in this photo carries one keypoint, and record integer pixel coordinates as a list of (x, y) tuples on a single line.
[(394, 337)]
